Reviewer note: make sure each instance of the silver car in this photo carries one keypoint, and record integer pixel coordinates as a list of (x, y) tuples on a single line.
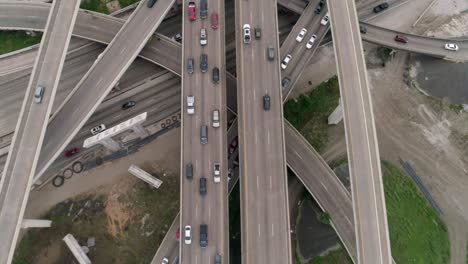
[(38, 93)]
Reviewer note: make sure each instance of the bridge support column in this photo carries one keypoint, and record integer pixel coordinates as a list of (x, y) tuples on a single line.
[(35, 223), (75, 248), (140, 130), (110, 144), (143, 175), (337, 114)]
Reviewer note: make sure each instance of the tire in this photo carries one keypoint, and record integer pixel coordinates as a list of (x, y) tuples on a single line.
[(58, 181)]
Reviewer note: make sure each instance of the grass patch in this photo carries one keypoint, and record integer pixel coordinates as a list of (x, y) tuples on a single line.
[(339, 256), (309, 113), (95, 5), (124, 3), (128, 226), (417, 233), (15, 40)]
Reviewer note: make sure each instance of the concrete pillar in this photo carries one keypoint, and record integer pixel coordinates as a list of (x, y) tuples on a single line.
[(76, 249), (140, 130), (143, 175), (110, 144), (35, 223), (337, 114)]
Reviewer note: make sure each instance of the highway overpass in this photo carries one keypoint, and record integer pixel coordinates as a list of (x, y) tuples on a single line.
[(370, 214), (26, 145)]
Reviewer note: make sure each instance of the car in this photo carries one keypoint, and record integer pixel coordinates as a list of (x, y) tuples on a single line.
[(71, 152), (203, 37), (150, 3), (311, 41), (189, 171), (217, 259), (214, 20), (451, 46), (165, 261), (202, 186), (381, 7), (285, 62), (192, 15), (258, 32), (177, 234), (203, 236), (401, 38), (266, 102), (216, 173), (203, 9), (190, 65), (128, 105), (203, 62), (246, 31), (204, 135), (38, 94), (215, 119), (285, 82), (319, 7), (190, 104), (233, 145), (270, 52), (188, 234), (98, 129), (177, 37), (215, 74), (363, 29), (325, 19), (301, 35)]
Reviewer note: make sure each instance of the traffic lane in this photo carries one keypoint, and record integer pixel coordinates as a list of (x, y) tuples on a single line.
[(105, 73), (373, 245)]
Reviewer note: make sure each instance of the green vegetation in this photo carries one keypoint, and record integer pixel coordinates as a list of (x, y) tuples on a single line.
[(309, 113), (124, 3), (324, 218), (95, 5), (15, 40), (417, 233), (234, 225), (339, 256), (128, 225)]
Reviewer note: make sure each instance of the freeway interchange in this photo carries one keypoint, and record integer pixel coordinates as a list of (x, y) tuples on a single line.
[(260, 229)]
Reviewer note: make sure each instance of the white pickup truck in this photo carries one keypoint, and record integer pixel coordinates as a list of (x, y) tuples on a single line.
[(216, 173)]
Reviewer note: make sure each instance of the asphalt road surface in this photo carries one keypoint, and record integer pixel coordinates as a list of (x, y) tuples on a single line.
[(264, 199), (26, 145), (210, 209), (373, 245)]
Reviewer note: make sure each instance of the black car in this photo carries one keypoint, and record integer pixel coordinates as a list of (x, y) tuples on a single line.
[(285, 82), (128, 105), (203, 236), (150, 3), (202, 186), (215, 74), (363, 29), (319, 7), (266, 102), (258, 32), (190, 65), (204, 62), (381, 7)]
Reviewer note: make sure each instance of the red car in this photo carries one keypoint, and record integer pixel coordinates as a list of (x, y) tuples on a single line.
[(233, 145), (71, 152), (401, 38), (177, 234), (214, 20), (191, 11)]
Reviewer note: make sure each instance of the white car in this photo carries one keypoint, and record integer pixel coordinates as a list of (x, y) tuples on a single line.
[(190, 104), (247, 36), (451, 46), (203, 37), (98, 129), (215, 120), (165, 261), (188, 235), (216, 173), (285, 62), (301, 35), (311, 41), (325, 19)]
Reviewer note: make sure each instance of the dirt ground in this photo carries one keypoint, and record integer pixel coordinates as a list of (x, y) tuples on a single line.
[(412, 127), (164, 151)]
